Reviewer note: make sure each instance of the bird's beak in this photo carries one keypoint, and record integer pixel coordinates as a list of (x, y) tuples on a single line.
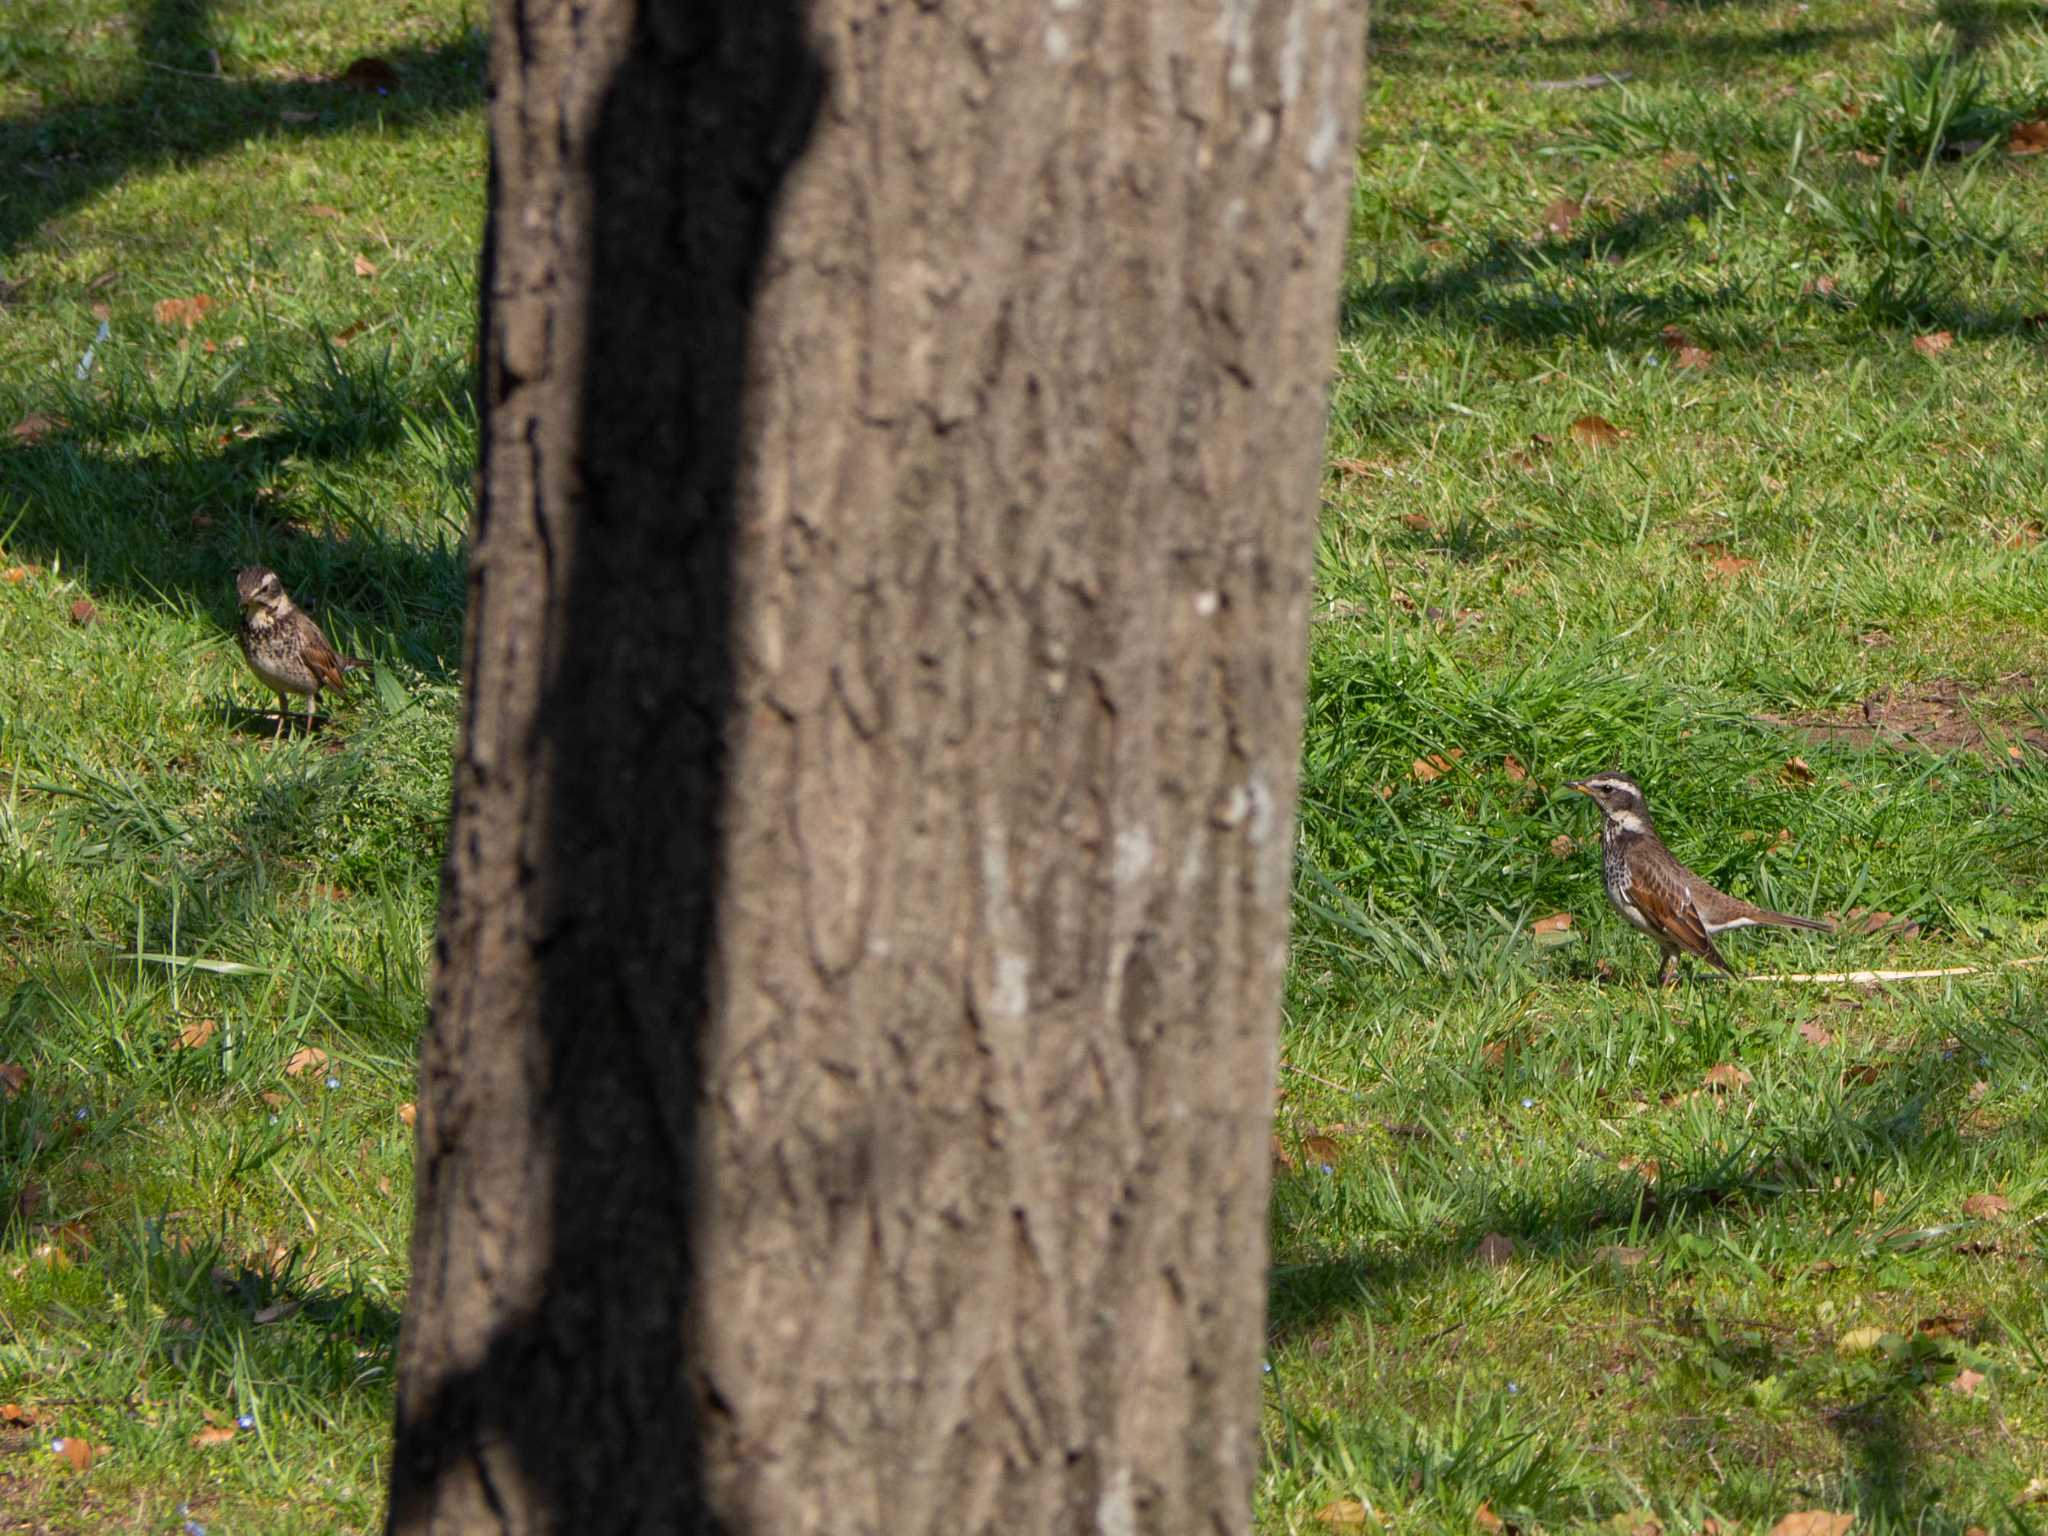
[(1579, 785)]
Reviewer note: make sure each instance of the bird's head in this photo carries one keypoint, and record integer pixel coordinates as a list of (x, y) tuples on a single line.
[(1619, 797), (257, 586)]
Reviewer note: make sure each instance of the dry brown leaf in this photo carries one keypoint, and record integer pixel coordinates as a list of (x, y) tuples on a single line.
[(1693, 357), (1343, 1512), (196, 1034), (1560, 216), (307, 1058), (2028, 138), (1281, 1156), (77, 1450), (1796, 771), (364, 266), (1487, 1520), (1512, 767), (1824, 286), (1813, 1032), (1866, 157), (1728, 567), (1435, 766), (1595, 432), (13, 1078), (1934, 343), (1494, 1249), (347, 334), (1986, 1207), (1415, 522), (1966, 1383), (2036, 1492), (214, 1434), (1556, 922), (1621, 1254), (14, 1413), (1323, 1150), (1725, 1077), (83, 613), (323, 211), (1813, 1522), (36, 426), (185, 312), (408, 1112), (1562, 846)]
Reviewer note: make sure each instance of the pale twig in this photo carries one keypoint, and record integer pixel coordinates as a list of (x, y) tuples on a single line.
[(1869, 978)]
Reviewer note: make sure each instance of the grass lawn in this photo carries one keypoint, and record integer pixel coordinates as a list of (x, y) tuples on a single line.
[(1550, 1250)]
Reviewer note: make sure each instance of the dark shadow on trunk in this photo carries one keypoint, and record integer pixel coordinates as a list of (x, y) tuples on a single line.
[(594, 1395)]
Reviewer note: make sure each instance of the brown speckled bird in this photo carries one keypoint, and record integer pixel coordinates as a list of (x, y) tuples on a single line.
[(1658, 895), (284, 647)]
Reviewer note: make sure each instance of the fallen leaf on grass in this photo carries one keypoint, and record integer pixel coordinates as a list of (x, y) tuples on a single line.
[(1595, 432), (277, 1312), (409, 1113), (1813, 1032), (185, 312), (2036, 1492), (14, 1413), (1415, 522), (214, 1434), (83, 613), (365, 267), (196, 1034), (1966, 1383), (347, 334), (1560, 216), (1512, 767), (323, 211), (1725, 1077), (2028, 138), (1934, 343), (80, 1452), (1859, 1341), (1796, 771), (1728, 567), (13, 1078), (307, 1058), (1648, 1169), (1813, 1522), (1343, 1512), (1562, 846), (1494, 1249), (1986, 1207), (1557, 922), (1321, 1150), (1435, 766), (36, 426), (1822, 286)]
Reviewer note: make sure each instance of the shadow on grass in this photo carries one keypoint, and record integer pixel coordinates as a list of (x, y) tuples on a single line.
[(1609, 1221), (69, 153)]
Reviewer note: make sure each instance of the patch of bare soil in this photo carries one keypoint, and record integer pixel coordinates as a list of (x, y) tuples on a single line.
[(1939, 716)]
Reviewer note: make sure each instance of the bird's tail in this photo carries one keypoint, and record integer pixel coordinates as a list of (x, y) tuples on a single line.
[(351, 663), (1787, 920)]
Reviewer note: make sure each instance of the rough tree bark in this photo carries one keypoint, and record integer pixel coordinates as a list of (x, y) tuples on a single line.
[(846, 1098)]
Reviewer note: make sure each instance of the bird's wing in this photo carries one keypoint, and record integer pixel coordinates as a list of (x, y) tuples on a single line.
[(319, 656), (1663, 893)]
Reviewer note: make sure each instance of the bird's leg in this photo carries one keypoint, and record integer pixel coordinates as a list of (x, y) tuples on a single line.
[(284, 713), (1667, 973), (312, 700)]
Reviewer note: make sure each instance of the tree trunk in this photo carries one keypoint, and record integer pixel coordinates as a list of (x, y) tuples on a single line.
[(846, 1099)]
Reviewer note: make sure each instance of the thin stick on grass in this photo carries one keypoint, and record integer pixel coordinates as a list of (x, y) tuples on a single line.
[(1866, 978)]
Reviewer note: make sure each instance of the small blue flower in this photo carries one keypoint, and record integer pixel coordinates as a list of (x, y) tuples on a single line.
[(194, 1528), (1266, 1366), (1328, 1169), (1528, 1103), (1513, 1389), (81, 1113), (246, 1421), (334, 1082)]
